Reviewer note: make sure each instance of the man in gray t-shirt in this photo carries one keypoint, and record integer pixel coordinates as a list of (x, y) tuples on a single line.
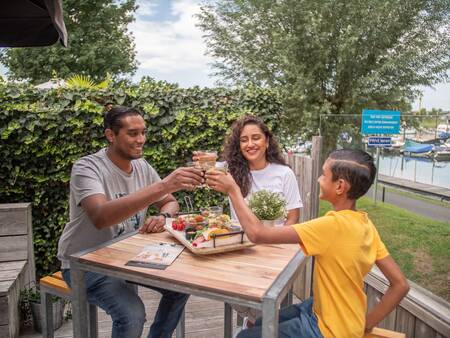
[(110, 192)]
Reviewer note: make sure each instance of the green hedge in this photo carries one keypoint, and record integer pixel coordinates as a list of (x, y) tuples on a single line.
[(42, 133)]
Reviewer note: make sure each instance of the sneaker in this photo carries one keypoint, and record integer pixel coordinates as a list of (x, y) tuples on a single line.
[(245, 323)]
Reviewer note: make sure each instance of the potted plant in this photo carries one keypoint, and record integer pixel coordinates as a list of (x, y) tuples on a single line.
[(30, 308), (268, 206)]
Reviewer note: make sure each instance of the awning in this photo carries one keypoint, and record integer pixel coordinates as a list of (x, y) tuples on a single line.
[(30, 23)]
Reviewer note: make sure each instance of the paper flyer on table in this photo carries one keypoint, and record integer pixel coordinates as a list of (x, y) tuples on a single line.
[(156, 256)]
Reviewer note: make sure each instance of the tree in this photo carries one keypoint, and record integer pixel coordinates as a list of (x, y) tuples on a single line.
[(99, 43), (331, 56)]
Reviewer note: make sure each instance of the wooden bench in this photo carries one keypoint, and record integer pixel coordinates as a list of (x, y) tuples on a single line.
[(17, 269), (55, 285), (383, 333)]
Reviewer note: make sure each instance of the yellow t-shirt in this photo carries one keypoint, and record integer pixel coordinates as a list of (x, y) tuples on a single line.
[(345, 245)]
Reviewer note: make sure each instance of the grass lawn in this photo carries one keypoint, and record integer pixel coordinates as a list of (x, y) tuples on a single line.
[(421, 246)]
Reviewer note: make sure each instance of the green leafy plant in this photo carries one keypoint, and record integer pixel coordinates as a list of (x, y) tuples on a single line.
[(42, 133), (267, 205), (85, 82), (30, 307), (28, 295)]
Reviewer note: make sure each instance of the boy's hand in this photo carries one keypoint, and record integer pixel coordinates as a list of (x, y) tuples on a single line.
[(220, 181), (153, 224)]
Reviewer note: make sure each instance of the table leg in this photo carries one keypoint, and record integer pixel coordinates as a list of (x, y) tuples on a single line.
[(270, 313), (287, 301), (180, 332), (79, 304), (228, 321)]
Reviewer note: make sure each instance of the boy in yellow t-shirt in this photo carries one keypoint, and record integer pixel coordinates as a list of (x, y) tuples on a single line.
[(345, 245)]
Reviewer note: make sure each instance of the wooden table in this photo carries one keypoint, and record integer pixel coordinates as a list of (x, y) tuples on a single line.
[(258, 277)]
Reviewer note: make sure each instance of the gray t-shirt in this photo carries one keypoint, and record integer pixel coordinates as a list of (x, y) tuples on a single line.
[(97, 174)]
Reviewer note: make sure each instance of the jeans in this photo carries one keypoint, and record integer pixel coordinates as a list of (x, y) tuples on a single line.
[(297, 320), (119, 300)]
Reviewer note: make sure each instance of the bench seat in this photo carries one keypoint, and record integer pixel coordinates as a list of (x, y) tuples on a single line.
[(383, 333), (12, 276)]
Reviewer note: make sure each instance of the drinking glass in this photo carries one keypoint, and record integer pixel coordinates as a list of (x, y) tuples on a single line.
[(212, 211), (195, 165), (221, 166), (206, 159)]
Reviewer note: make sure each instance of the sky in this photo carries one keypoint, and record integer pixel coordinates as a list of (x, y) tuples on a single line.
[(170, 47)]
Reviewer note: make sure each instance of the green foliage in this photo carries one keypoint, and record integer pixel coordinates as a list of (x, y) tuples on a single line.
[(328, 56), (267, 205), (42, 133), (82, 81), (99, 42)]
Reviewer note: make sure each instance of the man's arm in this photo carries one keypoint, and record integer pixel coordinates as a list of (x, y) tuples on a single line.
[(398, 289), (104, 213), (167, 205)]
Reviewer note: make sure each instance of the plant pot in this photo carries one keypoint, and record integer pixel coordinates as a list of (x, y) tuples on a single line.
[(273, 223), (268, 222), (58, 314)]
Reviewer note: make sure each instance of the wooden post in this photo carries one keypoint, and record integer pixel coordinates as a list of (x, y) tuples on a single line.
[(307, 170)]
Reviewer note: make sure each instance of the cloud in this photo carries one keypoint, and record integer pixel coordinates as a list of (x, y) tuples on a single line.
[(146, 8), (170, 46)]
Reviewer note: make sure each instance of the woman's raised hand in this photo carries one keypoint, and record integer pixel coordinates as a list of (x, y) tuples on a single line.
[(220, 181)]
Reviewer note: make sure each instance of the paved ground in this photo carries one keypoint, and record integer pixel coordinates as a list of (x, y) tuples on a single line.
[(420, 207)]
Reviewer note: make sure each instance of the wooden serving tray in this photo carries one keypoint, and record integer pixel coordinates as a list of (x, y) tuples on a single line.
[(222, 244)]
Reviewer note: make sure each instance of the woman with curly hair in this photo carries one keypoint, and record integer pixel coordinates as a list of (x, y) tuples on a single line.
[(256, 163)]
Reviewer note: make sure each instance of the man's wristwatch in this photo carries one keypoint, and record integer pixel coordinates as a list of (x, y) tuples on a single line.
[(165, 214)]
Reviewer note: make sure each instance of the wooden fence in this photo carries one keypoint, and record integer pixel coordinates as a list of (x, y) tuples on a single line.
[(307, 169), (421, 314)]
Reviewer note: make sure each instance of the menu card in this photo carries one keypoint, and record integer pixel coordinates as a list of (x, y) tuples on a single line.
[(156, 256)]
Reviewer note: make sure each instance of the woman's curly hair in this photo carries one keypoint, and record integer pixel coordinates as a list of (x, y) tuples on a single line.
[(237, 164)]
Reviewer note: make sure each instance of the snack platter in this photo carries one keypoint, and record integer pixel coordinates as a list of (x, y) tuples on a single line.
[(204, 235)]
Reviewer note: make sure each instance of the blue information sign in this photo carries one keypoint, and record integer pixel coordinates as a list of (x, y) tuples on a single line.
[(380, 122), (379, 141)]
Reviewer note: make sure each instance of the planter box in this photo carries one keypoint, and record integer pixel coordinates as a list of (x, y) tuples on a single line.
[(58, 314)]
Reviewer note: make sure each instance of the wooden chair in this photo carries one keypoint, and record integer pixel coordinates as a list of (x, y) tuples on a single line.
[(383, 333), (55, 285)]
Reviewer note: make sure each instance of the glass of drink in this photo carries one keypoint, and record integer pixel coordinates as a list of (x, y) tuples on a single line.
[(206, 159), (221, 166), (212, 211), (195, 165)]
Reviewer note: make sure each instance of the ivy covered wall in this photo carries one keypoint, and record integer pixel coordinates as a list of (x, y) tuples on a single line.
[(42, 133)]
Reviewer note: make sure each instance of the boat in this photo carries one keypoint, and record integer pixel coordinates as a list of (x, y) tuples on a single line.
[(442, 155), (442, 152), (415, 149)]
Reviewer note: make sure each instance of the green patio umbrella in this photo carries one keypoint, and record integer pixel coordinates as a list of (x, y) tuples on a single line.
[(29, 23)]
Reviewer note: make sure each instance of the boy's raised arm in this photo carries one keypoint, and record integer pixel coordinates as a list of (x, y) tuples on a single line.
[(398, 289)]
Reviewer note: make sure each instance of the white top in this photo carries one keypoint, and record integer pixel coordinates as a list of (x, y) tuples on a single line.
[(277, 178)]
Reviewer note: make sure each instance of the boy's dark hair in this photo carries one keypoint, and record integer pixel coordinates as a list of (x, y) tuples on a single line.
[(354, 166), (113, 118)]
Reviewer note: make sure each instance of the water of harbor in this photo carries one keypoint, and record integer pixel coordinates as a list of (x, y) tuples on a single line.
[(422, 170)]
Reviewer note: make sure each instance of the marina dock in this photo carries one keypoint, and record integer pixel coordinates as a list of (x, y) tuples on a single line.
[(421, 188)]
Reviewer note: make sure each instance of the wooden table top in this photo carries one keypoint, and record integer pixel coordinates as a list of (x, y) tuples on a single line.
[(246, 273)]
